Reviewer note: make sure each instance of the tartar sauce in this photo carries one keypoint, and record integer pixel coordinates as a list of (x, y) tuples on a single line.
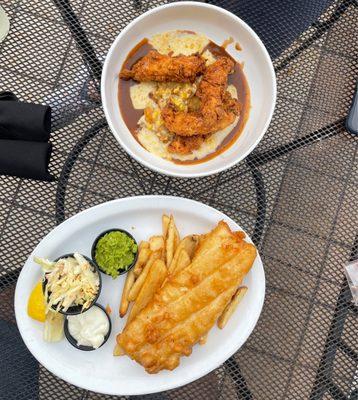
[(89, 328)]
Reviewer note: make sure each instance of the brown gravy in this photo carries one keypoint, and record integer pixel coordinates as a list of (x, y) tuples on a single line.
[(131, 116), (238, 46), (227, 42)]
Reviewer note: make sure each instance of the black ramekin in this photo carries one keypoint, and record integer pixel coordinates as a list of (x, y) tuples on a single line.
[(74, 310), (73, 341), (93, 250)]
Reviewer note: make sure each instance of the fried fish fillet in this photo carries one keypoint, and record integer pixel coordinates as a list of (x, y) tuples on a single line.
[(190, 302), (217, 110), (163, 68)]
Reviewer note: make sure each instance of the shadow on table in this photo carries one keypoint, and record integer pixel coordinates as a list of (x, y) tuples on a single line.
[(19, 372)]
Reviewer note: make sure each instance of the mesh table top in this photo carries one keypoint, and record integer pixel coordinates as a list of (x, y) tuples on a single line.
[(296, 194)]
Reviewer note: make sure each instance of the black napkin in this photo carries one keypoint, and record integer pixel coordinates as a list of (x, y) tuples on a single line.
[(24, 133), (25, 159), (8, 96), (23, 121)]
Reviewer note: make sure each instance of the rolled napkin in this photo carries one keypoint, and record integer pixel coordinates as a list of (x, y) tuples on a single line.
[(23, 121), (25, 159), (24, 133), (8, 96)]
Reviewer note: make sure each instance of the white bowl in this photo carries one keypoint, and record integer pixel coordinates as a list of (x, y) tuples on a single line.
[(218, 24)]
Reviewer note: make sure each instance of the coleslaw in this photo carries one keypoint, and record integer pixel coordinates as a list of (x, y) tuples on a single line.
[(71, 281)]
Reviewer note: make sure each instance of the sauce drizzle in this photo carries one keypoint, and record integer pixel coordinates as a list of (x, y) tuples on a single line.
[(227, 42), (238, 46)]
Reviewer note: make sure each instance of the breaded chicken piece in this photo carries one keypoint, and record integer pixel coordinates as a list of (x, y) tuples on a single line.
[(190, 302), (185, 144), (217, 110), (163, 68)]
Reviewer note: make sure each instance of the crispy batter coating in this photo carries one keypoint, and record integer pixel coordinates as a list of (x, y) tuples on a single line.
[(163, 68), (189, 303), (217, 110), (185, 144)]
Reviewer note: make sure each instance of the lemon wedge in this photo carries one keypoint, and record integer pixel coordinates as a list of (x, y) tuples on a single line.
[(36, 305)]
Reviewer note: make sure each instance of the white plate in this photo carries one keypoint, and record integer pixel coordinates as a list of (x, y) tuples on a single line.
[(4, 24), (218, 24), (98, 370)]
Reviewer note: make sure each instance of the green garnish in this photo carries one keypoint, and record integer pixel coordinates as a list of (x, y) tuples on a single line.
[(115, 252)]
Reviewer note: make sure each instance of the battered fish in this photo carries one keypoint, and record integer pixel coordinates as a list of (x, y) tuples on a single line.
[(163, 68), (190, 302), (217, 110)]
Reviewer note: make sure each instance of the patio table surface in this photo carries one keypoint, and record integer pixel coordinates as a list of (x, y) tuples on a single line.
[(296, 194)]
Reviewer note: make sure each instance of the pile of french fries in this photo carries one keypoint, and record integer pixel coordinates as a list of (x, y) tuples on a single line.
[(159, 258)]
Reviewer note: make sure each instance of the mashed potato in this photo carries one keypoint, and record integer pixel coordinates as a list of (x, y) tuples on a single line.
[(153, 144), (210, 59), (140, 95), (179, 42)]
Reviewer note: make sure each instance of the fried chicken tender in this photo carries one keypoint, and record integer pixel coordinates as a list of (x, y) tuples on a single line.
[(217, 110), (190, 302), (163, 68), (185, 144)]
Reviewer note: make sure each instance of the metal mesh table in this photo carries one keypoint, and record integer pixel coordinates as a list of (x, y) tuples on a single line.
[(296, 194)]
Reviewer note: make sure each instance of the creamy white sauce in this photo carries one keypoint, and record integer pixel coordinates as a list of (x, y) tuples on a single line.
[(89, 328)]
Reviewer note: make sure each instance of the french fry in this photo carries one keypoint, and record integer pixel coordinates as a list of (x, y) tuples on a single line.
[(176, 237), (127, 287), (170, 242), (142, 259), (153, 281), (231, 307), (156, 243), (143, 245), (203, 340), (118, 351), (189, 243), (133, 293), (165, 225), (182, 262), (201, 238), (192, 247)]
